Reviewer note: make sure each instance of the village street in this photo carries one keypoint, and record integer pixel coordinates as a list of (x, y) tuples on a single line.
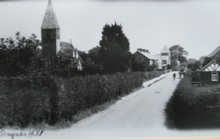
[(138, 115), (143, 109)]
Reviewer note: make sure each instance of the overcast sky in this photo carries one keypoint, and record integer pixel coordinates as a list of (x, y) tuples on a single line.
[(149, 24)]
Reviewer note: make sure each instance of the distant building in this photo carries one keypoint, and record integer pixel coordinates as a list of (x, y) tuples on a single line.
[(164, 59), (210, 73), (215, 55), (143, 56), (51, 44), (158, 61)]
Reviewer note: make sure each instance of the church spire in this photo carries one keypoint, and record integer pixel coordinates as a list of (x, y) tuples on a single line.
[(165, 49), (50, 20)]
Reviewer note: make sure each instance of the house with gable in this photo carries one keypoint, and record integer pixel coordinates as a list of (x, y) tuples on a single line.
[(215, 55), (210, 73), (144, 56), (51, 44), (158, 61)]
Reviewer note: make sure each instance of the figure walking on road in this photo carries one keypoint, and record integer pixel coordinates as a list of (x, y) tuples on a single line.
[(174, 76)]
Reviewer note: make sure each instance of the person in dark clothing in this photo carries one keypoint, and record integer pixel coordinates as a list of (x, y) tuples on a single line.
[(174, 76)]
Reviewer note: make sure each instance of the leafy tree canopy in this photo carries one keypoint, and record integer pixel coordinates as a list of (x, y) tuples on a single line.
[(114, 49), (194, 66), (94, 55), (17, 55), (178, 53), (206, 61)]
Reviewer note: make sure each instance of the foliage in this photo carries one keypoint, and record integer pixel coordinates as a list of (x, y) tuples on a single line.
[(92, 61), (168, 66), (114, 49), (40, 98), (81, 93), (65, 66), (28, 100), (152, 74), (194, 66), (193, 107), (17, 56), (206, 61), (63, 60), (94, 55), (177, 52)]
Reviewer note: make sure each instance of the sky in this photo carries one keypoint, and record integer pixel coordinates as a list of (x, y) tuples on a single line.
[(148, 24)]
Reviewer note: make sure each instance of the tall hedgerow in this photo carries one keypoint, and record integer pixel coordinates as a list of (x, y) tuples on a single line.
[(42, 98), (193, 107)]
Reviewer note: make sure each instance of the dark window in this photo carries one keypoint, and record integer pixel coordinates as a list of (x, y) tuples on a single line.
[(164, 62), (164, 54)]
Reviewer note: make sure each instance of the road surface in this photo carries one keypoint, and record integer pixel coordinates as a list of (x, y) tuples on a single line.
[(143, 109)]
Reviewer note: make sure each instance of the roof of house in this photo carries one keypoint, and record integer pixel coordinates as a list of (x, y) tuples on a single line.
[(67, 48), (148, 55), (213, 53), (211, 66), (50, 20), (66, 45), (157, 56)]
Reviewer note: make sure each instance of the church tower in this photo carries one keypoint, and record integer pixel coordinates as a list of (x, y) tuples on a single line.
[(50, 35)]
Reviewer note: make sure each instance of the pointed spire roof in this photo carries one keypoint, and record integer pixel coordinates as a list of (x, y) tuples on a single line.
[(165, 49), (50, 20)]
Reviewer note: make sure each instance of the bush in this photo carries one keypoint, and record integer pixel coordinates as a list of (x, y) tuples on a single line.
[(17, 56), (27, 100), (80, 93), (153, 74), (194, 107)]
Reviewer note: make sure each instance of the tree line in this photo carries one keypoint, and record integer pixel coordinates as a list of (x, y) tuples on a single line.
[(22, 55)]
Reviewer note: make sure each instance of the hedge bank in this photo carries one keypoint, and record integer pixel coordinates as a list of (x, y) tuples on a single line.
[(194, 107), (40, 98)]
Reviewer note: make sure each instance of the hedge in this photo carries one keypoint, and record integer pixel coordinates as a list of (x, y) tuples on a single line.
[(193, 107), (40, 98), (25, 100)]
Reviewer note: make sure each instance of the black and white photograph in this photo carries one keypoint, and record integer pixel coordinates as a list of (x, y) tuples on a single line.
[(109, 69)]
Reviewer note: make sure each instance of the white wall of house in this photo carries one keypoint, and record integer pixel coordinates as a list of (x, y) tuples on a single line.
[(163, 59)]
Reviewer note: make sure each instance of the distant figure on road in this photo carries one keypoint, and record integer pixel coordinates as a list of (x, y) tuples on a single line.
[(174, 76)]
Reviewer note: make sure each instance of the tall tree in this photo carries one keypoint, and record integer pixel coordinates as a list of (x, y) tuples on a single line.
[(17, 55), (88, 62), (178, 53), (93, 61), (114, 49), (94, 55)]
